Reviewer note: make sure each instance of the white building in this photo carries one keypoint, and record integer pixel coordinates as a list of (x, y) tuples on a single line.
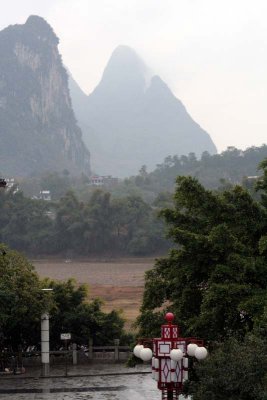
[(45, 195)]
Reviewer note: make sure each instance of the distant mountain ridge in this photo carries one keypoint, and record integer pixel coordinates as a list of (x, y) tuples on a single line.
[(38, 129), (130, 120)]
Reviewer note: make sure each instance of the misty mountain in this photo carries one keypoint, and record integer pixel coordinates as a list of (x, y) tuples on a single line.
[(131, 119), (38, 129)]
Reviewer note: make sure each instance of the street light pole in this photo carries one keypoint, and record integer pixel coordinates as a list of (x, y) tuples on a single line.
[(169, 356), (45, 355), (45, 344)]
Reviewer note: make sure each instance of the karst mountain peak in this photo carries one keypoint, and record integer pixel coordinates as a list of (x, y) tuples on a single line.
[(38, 128), (132, 118), (128, 62)]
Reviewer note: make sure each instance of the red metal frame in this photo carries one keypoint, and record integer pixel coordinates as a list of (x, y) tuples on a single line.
[(170, 374)]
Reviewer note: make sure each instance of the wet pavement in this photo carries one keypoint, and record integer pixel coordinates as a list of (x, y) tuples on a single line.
[(114, 382)]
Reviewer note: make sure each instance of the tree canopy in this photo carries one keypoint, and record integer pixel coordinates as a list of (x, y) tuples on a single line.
[(234, 371), (22, 302), (101, 225), (72, 312), (215, 281)]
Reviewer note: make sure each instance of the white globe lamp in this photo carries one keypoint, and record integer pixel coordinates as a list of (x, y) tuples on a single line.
[(191, 348), (146, 354), (201, 353), (137, 350), (176, 354)]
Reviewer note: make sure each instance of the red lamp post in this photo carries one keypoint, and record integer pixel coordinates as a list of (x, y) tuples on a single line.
[(170, 358)]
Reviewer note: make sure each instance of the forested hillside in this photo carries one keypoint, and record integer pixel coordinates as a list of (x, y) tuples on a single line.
[(122, 220), (229, 167)]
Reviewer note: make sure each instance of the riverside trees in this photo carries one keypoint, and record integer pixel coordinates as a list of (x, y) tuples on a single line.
[(215, 278), (101, 225), (22, 302)]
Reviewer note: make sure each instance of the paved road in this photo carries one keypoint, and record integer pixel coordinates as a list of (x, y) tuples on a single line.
[(106, 387)]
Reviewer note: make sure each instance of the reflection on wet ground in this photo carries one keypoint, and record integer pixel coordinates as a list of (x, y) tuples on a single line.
[(65, 390), (96, 385)]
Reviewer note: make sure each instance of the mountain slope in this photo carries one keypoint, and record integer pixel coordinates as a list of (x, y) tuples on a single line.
[(38, 129), (135, 120)]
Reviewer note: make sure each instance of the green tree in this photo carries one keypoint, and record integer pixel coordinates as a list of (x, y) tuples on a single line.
[(70, 223), (261, 184), (215, 279), (71, 312), (24, 223), (21, 300), (234, 371), (100, 222)]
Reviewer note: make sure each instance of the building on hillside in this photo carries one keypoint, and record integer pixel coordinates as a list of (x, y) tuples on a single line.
[(10, 182), (45, 195), (51, 214), (107, 181)]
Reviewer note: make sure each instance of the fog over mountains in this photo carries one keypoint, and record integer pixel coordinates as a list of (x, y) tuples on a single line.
[(132, 119), (47, 122), (38, 129)]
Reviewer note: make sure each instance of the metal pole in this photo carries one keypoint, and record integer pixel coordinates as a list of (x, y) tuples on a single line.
[(66, 358), (170, 395), (90, 349), (45, 343), (74, 354), (116, 350)]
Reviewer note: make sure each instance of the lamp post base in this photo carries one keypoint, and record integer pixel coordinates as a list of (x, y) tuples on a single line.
[(45, 369), (172, 394)]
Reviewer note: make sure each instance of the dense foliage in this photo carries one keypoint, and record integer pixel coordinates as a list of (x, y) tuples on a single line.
[(216, 278), (230, 166), (71, 312), (234, 371), (24, 223), (22, 302), (215, 281), (122, 221), (100, 226)]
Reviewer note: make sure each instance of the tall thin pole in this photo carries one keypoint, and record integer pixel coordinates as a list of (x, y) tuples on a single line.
[(66, 358), (170, 395), (45, 343)]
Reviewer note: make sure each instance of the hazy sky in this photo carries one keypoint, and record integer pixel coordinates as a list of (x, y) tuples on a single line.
[(211, 53)]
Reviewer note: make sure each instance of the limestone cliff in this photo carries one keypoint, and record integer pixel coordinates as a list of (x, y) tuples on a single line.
[(38, 129)]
